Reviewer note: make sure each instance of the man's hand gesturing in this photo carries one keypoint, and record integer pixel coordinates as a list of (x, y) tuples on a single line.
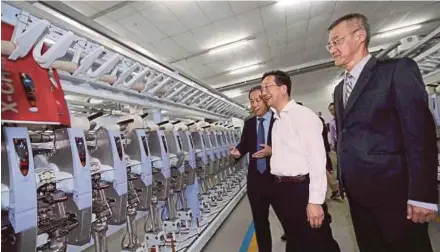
[(235, 153)]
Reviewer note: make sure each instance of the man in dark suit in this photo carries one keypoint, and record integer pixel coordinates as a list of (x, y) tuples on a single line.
[(256, 140), (386, 143)]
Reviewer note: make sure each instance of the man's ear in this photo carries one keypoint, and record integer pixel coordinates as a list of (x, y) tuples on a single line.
[(284, 88), (362, 35)]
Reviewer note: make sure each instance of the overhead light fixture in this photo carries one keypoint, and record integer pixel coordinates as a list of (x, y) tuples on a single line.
[(285, 3), (244, 69), (229, 46), (233, 94), (95, 101), (398, 31)]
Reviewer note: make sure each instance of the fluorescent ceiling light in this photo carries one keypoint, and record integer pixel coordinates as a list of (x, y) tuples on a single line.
[(245, 69), (233, 94), (95, 101), (398, 31), (229, 46), (285, 3)]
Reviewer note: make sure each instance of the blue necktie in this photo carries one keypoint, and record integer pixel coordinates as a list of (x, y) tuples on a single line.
[(261, 162)]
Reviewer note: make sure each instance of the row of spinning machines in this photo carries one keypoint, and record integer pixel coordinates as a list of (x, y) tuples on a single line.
[(65, 188)]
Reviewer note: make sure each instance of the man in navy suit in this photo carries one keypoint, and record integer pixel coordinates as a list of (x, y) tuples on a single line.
[(256, 140), (387, 153)]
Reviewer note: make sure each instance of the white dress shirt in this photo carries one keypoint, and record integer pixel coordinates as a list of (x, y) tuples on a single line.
[(298, 148), (355, 73)]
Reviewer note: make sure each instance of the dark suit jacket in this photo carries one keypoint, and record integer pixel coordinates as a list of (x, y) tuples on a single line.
[(248, 142), (325, 135), (387, 150)]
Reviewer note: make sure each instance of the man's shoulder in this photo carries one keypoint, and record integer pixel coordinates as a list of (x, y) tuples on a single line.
[(393, 62), (249, 119)]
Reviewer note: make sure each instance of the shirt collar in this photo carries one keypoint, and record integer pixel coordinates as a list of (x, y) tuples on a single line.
[(266, 116), (289, 106), (357, 70)]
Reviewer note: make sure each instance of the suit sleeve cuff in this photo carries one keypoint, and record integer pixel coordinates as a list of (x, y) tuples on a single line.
[(425, 205)]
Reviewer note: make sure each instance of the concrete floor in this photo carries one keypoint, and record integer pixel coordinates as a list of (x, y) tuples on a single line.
[(230, 235)]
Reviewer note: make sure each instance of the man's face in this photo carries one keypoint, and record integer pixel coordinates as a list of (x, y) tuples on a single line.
[(258, 105), (331, 109), (344, 42), (272, 93)]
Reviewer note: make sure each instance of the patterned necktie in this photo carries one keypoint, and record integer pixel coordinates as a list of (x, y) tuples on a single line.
[(349, 82), (261, 162)]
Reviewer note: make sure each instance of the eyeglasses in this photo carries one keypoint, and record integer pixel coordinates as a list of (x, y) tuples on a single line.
[(339, 41), (265, 88)]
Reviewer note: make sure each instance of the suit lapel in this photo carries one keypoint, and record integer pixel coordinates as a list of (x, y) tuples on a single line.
[(360, 85), (253, 134), (339, 103)]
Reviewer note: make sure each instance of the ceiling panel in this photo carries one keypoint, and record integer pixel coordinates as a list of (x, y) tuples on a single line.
[(216, 10), (297, 12), (319, 8), (102, 5), (250, 22), (164, 19), (169, 49), (189, 42), (141, 26), (82, 7), (243, 6), (123, 12), (189, 13), (297, 32), (276, 37), (318, 24), (273, 16)]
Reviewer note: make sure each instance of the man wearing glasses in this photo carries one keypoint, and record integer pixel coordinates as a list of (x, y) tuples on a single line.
[(386, 145), (256, 139), (298, 164)]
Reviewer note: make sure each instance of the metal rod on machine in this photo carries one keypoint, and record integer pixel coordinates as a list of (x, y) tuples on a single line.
[(421, 42), (151, 81), (211, 103), (189, 96), (388, 49), (427, 53), (171, 89), (231, 110), (160, 85), (186, 93), (204, 100), (220, 107), (197, 97), (224, 108), (181, 88)]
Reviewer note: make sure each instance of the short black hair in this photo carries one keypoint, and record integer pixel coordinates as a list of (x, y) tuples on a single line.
[(331, 104), (358, 17), (281, 79), (254, 88)]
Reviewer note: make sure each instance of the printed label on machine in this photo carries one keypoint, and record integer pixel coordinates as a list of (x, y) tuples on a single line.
[(27, 90)]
